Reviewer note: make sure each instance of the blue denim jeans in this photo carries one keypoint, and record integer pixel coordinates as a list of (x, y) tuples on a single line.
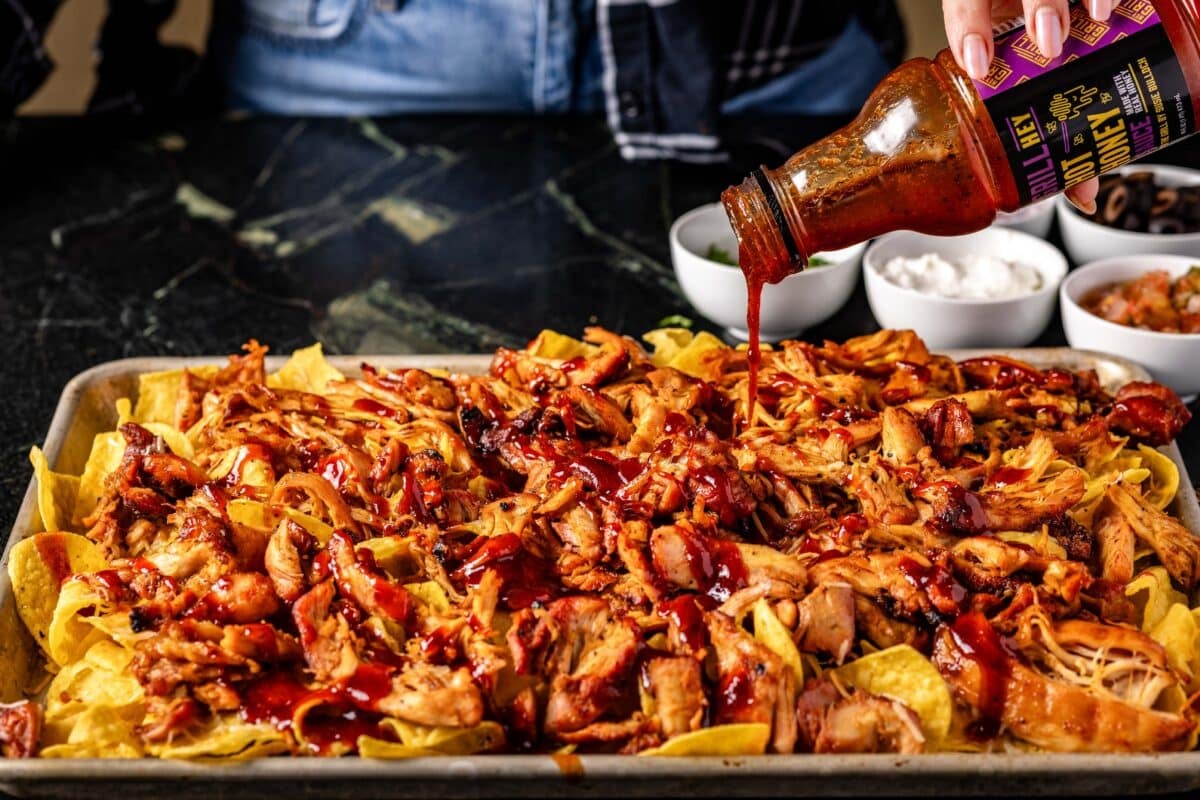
[(365, 57)]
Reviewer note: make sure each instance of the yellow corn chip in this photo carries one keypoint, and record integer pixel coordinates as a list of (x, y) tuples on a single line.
[(107, 449), (667, 343), (394, 555), (693, 361), (431, 594), (69, 636), (253, 468), (306, 371), (252, 513), (158, 392), (124, 411), (227, 738), (1176, 632), (901, 673), (98, 731), (483, 737), (370, 747), (55, 493), (551, 344), (1040, 541), (1152, 594), (1164, 477), (100, 678), (175, 439), (38, 566), (775, 635), (741, 739)]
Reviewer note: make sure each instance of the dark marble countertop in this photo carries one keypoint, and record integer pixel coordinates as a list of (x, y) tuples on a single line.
[(405, 235), (413, 235)]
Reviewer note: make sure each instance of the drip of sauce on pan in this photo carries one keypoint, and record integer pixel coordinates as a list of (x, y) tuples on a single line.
[(569, 765)]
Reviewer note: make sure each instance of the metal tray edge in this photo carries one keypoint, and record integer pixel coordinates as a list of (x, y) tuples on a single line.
[(961, 774)]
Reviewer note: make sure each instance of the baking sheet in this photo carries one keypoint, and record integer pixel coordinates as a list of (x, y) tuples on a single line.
[(86, 408)]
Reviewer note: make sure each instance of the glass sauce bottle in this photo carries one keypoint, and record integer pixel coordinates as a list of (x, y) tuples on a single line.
[(937, 152)]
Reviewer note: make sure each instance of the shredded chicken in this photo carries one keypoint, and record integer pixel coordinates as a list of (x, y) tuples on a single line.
[(575, 546)]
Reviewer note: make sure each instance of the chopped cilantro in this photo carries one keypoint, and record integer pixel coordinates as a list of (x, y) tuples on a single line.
[(720, 255), (675, 321)]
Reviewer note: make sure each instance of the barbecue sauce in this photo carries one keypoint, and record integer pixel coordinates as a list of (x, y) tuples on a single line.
[(937, 152)]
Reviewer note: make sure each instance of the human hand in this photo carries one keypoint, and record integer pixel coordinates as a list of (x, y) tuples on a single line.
[(969, 30)]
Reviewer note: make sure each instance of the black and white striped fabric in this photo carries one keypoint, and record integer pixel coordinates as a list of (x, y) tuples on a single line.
[(668, 64)]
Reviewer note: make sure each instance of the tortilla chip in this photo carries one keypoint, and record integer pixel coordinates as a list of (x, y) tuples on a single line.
[(1177, 632), (98, 731), (56, 493), (370, 747), (175, 439), (1164, 477), (552, 344), (431, 594), (667, 343), (69, 635), (1041, 541), (1152, 594), (105, 458), (253, 470), (101, 678), (775, 635), (306, 371), (158, 392), (38, 566), (394, 555), (741, 739), (902, 673), (693, 359), (252, 513), (485, 736), (227, 738), (124, 411)]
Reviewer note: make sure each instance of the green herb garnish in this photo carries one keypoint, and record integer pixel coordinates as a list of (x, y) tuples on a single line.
[(720, 255), (675, 321)]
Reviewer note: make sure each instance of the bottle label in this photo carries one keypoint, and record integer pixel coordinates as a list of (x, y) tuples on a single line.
[(1116, 93)]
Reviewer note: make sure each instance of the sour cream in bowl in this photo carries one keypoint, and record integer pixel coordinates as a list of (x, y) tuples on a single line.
[(968, 277), (994, 288)]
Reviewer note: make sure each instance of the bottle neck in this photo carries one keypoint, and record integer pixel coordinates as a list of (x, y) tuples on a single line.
[(765, 254)]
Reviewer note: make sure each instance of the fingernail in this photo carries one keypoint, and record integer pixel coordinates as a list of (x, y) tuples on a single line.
[(975, 57), (1088, 208), (1049, 32), (1101, 9)]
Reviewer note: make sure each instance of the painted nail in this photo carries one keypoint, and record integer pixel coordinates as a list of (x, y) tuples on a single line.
[(975, 57), (1049, 32), (1100, 9), (1086, 206)]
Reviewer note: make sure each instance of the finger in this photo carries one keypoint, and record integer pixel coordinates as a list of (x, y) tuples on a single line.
[(1100, 10), (1049, 21), (1083, 195), (969, 31)]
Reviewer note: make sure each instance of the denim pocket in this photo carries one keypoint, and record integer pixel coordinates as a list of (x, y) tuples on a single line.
[(301, 22)]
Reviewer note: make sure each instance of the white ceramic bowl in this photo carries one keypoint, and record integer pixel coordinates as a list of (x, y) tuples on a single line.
[(1035, 219), (1086, 241), (718, 291), (1172, 358), (950, 322)]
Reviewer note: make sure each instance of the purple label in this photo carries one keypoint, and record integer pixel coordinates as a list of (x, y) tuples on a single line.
[(1019, 60), (1116, 93)]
